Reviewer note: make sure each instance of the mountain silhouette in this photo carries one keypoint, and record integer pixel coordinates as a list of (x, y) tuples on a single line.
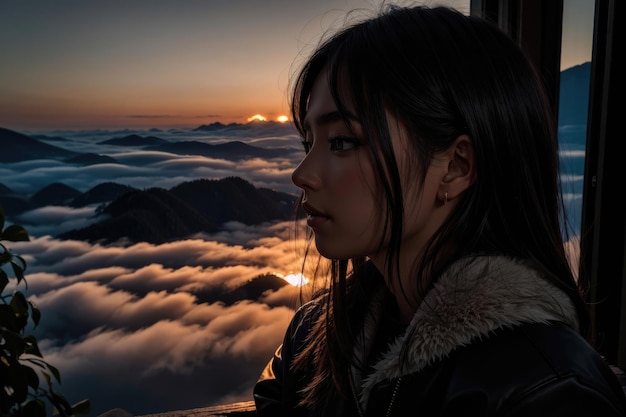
[(256, 128), (251, 290), (574, 95), (18, 147), (134, 140), (13, 203), (55, 194), (157, 215), (234, 199), (58, 193), (233, 151), (101, 193), (90, 159), (153, 215)]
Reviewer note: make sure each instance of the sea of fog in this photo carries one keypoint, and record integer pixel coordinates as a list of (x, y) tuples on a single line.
[(123, 324)]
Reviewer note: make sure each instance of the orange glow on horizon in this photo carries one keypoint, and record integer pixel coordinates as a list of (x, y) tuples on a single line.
[(257, 118), (282, 119)]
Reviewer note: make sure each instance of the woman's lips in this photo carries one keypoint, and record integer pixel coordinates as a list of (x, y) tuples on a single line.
[(314, 218)]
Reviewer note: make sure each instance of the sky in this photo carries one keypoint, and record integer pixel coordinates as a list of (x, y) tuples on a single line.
[(73, 64)]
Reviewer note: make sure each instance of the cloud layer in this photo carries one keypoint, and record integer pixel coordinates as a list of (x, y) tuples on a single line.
[(127, 329), (140, 327)]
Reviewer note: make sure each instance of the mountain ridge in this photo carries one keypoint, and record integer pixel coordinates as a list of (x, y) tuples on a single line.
[(156, 215), (19, 147)]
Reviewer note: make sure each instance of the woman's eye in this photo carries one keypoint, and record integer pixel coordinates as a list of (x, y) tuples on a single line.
[(340, 144)]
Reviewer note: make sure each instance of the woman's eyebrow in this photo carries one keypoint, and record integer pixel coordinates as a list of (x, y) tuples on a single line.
[(329, 117)]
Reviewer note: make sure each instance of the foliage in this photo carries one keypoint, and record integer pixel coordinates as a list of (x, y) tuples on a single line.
[(22, 366)]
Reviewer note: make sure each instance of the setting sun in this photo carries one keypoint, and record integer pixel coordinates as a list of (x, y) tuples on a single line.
[(257, 118), (297, 280), (282, 119)]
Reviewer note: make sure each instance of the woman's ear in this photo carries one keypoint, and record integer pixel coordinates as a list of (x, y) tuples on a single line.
[(461, 172)]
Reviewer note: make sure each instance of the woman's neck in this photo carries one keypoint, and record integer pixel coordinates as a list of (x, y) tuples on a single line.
[(403, 285)]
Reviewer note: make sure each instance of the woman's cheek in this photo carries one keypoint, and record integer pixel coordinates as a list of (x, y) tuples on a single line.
[(351, 180)]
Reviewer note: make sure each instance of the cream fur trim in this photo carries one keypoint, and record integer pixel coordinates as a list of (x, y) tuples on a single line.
[(472, 298)]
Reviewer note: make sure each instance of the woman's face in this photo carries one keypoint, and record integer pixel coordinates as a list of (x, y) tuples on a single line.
[(343, 200)]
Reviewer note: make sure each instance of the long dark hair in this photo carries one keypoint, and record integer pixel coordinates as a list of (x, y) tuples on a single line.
[(442, 74)]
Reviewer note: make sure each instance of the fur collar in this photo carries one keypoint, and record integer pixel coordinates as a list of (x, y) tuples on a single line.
[(472, 298)]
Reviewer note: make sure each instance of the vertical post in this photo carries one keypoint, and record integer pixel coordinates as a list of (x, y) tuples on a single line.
[(603, 231), (536, 26)]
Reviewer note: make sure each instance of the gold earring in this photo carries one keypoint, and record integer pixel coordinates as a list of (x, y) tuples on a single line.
[(445, 198)]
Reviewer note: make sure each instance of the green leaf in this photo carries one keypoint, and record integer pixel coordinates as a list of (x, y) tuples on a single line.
[(45, 374), (32, 347), (42, 364), (5, 254), (19, 303), (7, 318), (18, 270), (55, 372), (18, 381), (15, 233), (60, 403), (20, 309), (13, 343), (31, 376), (4, 280), (36, 314)]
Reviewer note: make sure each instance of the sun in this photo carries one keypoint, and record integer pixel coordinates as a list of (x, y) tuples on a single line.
[(297, 280), (257, 118), (282, 119)]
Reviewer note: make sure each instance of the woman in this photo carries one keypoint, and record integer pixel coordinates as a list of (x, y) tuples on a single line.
[(431, 182)]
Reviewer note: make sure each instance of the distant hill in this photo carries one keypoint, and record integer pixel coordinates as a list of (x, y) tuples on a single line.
[(55, 194), (18, 147), (233, 151), (134, 140), (59, 194), (251, 290), (157, 215), (90, 159), (47, 138), (233, 198), (13, 203), (259, 129), (154, 215), (101, 193), (574, 95)]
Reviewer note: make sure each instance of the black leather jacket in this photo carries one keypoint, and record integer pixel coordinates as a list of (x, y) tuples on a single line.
[(514, 352)]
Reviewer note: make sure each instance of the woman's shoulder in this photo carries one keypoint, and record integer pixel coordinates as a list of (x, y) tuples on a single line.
[(306, 316), (535, 362), (311, 308)]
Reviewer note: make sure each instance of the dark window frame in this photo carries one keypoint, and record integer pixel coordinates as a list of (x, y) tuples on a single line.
[(537, 26)]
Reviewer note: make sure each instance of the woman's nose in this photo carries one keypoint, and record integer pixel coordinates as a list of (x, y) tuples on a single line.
[(306, 176)]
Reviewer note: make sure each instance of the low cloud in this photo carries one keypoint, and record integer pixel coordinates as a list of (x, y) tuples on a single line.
[(143, 327), (131, 316)]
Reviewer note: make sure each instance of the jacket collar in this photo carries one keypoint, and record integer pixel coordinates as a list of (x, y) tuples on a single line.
[(472, 298)]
